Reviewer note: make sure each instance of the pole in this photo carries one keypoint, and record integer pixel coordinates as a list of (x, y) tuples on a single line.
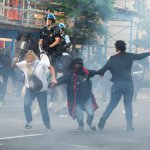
[(13, 49), (125, 2), (105, 45), (3, 10), (137, 35), (8, 3), (131, 40)]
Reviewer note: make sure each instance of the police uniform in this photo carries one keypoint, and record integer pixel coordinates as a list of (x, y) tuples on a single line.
[(65, 40), (48, 36)]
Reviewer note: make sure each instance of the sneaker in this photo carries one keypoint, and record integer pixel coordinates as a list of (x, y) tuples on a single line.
[(130, 129), (92, 127), (80, 128), (47, 130), (2, 104), (28, 126), (48, 127), (101, 123)]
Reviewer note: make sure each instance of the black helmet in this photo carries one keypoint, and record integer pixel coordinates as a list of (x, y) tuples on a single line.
[(77, 61)]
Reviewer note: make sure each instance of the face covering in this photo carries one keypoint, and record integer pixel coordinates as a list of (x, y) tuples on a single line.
[(78, 69), (30, 63)]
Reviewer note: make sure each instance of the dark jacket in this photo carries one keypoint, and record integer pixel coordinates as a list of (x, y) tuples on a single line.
[(63, 63), (5, 60), (79, 88), (48, 36), (120, 66)]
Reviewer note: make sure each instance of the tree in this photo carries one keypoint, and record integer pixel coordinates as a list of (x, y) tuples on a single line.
[(88, 16)]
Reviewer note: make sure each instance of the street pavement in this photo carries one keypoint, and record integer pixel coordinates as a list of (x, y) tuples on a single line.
[(64, 135)]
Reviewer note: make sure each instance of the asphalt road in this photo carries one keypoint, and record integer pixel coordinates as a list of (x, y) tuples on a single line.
[(65, 136)]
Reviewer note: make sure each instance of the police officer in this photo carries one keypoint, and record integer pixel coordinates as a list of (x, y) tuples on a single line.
[(65, 40), (65, 58), (50, 38)]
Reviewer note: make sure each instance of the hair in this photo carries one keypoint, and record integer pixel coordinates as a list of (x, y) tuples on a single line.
[(77, 61), (120, 45), (31, 52)]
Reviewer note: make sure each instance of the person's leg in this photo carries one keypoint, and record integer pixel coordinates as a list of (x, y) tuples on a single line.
[(1, 85), (135, 91), (55, 63), (5, 75), (13, 77), (29, 97), (60, 99), (116, 94), (50, 58), (53, 60), (42, 100), (64, 99), (88, 107), (128, 98), (79, 116)]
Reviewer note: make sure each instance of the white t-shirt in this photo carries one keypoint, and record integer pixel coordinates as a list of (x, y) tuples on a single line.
[(40, 72)]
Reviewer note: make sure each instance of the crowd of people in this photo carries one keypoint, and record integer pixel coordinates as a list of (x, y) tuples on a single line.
[(76, 78)]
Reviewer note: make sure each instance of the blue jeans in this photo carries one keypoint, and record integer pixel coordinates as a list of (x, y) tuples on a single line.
[(42, 100), (20, 81), (118, 90), (88, 108)]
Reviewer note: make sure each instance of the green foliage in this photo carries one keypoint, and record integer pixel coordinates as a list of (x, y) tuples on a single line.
[(88, 16)]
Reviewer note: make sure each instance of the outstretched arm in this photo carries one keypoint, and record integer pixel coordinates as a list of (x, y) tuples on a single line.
[(52, 71), (106, 67), (92, 73), (63, 79), (140, 56), (60, 81)]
